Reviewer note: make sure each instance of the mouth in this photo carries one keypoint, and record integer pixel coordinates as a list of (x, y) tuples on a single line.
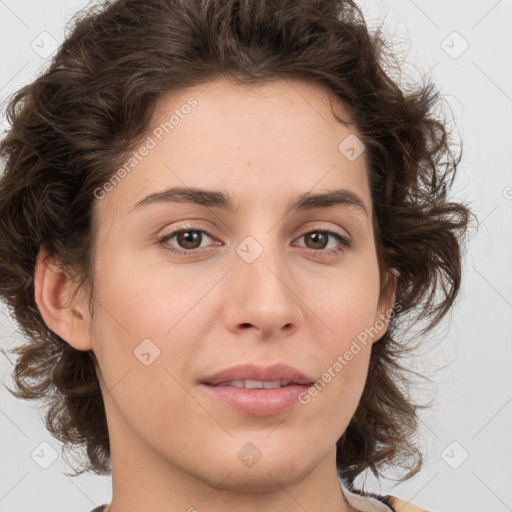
[(257, 390), (256, 384)]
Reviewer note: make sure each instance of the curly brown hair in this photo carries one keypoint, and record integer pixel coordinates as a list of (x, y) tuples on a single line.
[(73, 126)]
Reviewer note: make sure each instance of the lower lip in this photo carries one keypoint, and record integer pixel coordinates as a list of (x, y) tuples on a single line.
[(258, 402)]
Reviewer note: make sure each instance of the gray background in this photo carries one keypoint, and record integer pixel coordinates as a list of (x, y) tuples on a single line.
[(465, 436)]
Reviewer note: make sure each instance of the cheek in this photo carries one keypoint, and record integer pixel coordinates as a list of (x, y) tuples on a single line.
[(347, 306), (349, 310), (144, 326), (342, 381), (135, 305)]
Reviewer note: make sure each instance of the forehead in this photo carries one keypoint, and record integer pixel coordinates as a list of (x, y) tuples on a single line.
[(270, 113), (263, 141)]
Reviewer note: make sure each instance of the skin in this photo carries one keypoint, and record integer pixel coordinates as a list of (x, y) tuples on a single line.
[(174, 448)]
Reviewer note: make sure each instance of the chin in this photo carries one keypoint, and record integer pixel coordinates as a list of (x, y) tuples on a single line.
[(270, 473), (261, 480)]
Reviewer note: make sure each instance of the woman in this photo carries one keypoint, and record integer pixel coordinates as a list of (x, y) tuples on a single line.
[(214, 215)]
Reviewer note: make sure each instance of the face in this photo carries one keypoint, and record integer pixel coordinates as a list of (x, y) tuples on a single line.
[(187, 286)]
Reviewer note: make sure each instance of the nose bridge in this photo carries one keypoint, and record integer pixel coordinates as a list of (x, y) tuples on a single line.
[(263, 265), (261, 295)]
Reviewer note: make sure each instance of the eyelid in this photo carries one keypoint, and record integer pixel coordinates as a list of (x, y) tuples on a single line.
[(323, 227)]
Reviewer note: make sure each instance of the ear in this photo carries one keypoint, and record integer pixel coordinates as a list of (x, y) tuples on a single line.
[(385, 306), (66, 316)]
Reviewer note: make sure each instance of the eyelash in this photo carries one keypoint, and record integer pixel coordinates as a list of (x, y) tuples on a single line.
[(346, 243)]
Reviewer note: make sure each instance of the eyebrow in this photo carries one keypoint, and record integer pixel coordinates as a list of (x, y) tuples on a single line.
[(211, 198)]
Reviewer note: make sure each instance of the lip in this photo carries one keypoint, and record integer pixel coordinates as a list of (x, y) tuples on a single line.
[(258, 402)]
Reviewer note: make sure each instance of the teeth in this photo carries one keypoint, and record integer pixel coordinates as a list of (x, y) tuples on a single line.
[(233, 383), (273, 384), (255, 384)]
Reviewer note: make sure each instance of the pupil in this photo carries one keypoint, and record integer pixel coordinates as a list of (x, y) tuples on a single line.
[(188, 239), (318, 238)]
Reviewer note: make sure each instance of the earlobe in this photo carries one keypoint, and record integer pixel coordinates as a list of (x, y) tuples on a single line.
[(53, 290)]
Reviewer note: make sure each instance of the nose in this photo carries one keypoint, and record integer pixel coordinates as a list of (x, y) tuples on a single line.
[(264, 297)]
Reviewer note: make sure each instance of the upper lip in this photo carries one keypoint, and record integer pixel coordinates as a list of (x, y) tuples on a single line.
[(282, 372)]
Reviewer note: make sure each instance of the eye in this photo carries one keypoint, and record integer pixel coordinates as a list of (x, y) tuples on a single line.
[(188, 241), (318, 241)]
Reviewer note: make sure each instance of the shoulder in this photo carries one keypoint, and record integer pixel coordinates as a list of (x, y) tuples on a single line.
[(401, 505), (370, 502)]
